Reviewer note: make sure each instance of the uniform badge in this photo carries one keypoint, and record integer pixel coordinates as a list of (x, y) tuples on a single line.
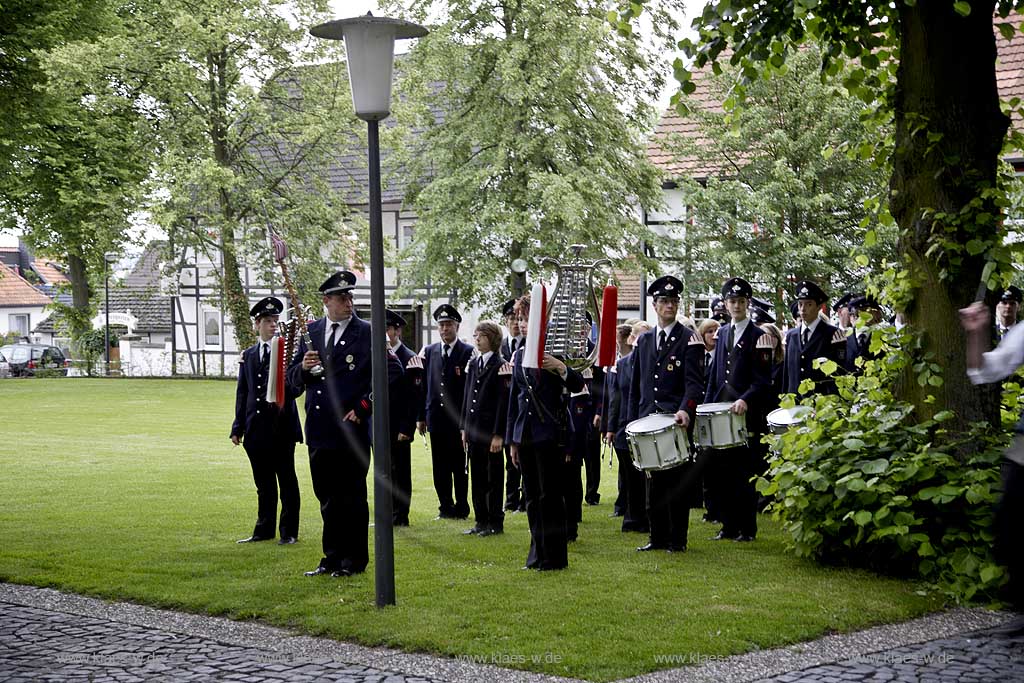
[(669, 367), (349, 358)]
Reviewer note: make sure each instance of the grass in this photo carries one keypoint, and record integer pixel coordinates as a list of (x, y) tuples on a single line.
[(131, 490)]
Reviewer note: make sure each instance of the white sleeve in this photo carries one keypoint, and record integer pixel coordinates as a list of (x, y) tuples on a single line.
[(1001, 361)]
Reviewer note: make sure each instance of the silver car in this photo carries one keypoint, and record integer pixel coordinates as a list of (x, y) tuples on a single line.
[(5, 367)]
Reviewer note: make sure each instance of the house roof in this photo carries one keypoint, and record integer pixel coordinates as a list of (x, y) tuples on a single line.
[(629, 288), (152, 309), (1009, 80), (16, 290), (49, 272), (146, 272)]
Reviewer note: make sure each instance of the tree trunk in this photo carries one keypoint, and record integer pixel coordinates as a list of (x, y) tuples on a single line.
[(946, 87), (80, 295)]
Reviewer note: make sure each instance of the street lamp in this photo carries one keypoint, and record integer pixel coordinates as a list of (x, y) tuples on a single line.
[(370, 53), (108, 258)]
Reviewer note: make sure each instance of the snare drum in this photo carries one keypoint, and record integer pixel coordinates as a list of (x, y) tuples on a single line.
[(781, 419), (656, 442), (719, 427)]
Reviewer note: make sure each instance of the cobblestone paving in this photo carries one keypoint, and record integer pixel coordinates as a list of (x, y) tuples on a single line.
[(46, 635), (43, 645)]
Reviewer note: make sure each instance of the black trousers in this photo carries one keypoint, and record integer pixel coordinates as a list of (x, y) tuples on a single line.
[(572, 495), (542, 466), (339, 482), (668, 505), (1009, 545), (513, 486), (487, 480), (273, 466), (634, 512), (621, 488), (712, 465), (401, 480), (592, 465), (449, 466), (736, 467)]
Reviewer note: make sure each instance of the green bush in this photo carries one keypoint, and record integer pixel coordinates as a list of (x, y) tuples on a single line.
[(89, 348), (864, 483)]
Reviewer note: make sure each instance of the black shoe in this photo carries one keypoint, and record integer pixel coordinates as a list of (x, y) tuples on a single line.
[(616, 513), (490, 532), (743, 538), (287, 540), (651, 546), (318, 571), (474, 531), (341, 572), (593, 501), (722, 536), (677, 548), (400, 522), (255, 539)]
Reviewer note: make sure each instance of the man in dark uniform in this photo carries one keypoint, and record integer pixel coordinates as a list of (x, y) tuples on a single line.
[(268, 433), (842, 310), (484, 411), (813, 338), (1006, 311), (718, 311), (741, 375), (668, 377), (514, 501), (404, 407), (334, 372), (444, 366), (537, 428), (633, 481), (858, 341)]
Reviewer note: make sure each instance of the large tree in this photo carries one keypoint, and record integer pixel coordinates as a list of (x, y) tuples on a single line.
[(791, 191), (535, 117), (244, 128), (72, 151), (931, 67)]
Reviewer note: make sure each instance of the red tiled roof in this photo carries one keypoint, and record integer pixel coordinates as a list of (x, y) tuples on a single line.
[(49, 272), (1009, 80), (629, 288), (16, 291)]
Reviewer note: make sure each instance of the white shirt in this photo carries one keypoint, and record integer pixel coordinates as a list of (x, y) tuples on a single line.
[(1001, 361), (811, 327), (668, 335), (484, 358), (739, 327), (342, 324)]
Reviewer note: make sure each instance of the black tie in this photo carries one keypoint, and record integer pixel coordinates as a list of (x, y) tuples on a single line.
[(707, 360), (332, 339), (805, 336), (480, 364), (444, 358), (266, 354), (661, 339), (512, 345), (732, 336)]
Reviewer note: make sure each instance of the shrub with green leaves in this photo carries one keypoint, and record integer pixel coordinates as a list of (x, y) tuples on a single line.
[(864, 482)]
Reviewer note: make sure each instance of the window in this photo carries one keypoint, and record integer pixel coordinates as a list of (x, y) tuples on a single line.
[(701, 309), (18, 323), (211, 328), (406, 228)]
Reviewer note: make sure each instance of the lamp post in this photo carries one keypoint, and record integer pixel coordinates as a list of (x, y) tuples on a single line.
[(108, 258), (370, 53)]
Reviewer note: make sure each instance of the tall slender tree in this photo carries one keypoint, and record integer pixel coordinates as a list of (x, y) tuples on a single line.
[(535, 114)]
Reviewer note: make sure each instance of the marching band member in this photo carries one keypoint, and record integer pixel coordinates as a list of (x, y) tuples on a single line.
[(537, 426), (267, 433), (513, 479), (484, 411), (668, 376), (444, 365), (634, 482), (1006, 311), (740, 374), (338, 409), (812, 338), (404, 407), (611, 405)]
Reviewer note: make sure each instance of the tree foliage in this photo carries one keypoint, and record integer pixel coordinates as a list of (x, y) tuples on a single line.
[(797, 184), (534, 115), (946, 194), (72, 152)]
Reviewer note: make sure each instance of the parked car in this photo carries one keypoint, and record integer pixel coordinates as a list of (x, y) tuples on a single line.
[(5, 367), (24, 360)]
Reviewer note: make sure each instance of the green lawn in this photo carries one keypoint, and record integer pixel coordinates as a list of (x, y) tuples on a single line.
[(130, 489)]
